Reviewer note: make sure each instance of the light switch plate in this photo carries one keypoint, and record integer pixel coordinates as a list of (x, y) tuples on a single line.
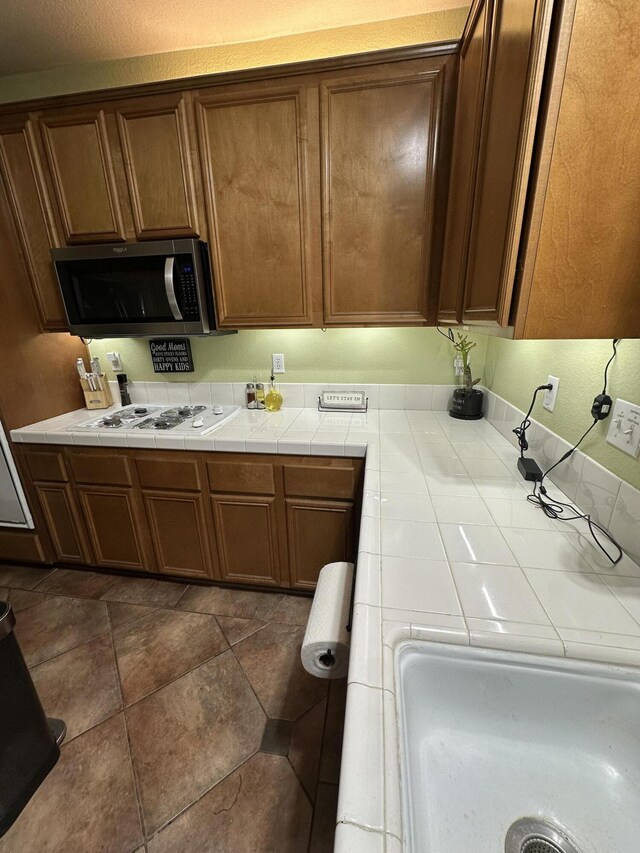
[(624, 427)]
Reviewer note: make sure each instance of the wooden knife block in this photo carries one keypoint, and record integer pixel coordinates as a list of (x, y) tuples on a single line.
[(97, 399)]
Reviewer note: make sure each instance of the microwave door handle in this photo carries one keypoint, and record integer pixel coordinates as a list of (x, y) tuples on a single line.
[(170, 289)]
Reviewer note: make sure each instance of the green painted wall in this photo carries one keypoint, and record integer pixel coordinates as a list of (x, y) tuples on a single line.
[(411, 356), (514, 368)]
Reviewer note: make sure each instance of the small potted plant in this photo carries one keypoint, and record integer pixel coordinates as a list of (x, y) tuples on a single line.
[(467, 401)]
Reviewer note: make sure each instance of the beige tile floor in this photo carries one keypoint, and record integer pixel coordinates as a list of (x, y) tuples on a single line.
[(192, 725)]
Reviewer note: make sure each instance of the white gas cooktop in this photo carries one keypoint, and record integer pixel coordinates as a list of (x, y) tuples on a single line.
[(192, 419)]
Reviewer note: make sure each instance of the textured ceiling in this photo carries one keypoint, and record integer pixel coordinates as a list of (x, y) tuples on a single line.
[(40, 34)]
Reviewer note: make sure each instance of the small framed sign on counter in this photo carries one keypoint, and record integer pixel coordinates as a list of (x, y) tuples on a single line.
[(343, 401), (171, 355)]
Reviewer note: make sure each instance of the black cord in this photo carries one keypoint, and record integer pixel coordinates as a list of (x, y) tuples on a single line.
[(556, 509), (570, 452), (521, 431), (448, 335), (606, 369)]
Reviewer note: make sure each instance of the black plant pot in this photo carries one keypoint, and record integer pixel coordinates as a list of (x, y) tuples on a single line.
[(467, 405)]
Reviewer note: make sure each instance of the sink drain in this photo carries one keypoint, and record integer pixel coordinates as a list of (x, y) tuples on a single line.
[(532, 835)]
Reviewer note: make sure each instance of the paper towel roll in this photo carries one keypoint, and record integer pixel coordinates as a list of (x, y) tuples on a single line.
[(325, 648)]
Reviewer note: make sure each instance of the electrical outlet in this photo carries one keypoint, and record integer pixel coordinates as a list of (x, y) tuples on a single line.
[(549, 401), (277, 362), (624, 428), (115, 362)]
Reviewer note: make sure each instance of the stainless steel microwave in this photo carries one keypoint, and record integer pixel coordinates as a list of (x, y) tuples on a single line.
[(137, 289)]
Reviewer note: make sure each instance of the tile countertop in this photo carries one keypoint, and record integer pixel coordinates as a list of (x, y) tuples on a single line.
[(450, 550)]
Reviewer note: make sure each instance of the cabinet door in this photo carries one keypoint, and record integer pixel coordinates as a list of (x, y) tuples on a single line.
[(320, 532), (488, 207), (77, 148), (472, 75), (179, 533), (154, 135), (33, 217), (259, 162), (115, 526), (581, 252), (246, 535), (383, 191), (63, 522), (511, 104)]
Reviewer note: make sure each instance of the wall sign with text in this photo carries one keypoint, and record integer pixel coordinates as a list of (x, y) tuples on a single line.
[(171, 355)]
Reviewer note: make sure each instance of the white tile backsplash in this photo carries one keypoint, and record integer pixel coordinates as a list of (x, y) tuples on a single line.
[(392, 396), (178, 393), (625, 520)]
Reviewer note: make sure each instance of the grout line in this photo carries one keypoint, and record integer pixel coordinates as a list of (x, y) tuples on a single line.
[(132, 766), (317, 785), (71, 648), (178, 677), (200, 797), (295, 772), (246, 677), (181, 596)]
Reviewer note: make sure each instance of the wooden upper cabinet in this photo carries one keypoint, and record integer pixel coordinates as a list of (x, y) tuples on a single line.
[(33, 217), (258, 153), (581, 254), (155, 139), (81, 168), (382, 141), (472, 75), (498, 97)]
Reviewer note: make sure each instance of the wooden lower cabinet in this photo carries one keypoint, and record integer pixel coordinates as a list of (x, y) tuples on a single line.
[(247, 539), (319, 532), (179, 533), (62, 519), (114, 527), (247, 519)]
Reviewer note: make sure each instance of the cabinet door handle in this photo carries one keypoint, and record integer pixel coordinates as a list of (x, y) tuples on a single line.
[(170, 288)]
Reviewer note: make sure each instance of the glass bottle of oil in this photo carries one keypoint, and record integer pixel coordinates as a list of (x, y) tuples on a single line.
[(273, 400)]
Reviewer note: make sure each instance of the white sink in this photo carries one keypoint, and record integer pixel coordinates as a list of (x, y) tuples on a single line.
[(488, 737)]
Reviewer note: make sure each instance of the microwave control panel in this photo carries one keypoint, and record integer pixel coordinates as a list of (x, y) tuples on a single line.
[(190, 303)]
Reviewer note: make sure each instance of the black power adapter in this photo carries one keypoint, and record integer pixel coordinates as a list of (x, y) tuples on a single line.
[(601, 407), (530, 469)]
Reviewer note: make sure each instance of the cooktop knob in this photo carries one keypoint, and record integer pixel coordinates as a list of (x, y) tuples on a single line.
[(217, 410), (140, 411)]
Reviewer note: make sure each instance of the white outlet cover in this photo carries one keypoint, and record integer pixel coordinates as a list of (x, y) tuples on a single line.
[(624, 427), (549, 401), (114, 361), (277, 362)]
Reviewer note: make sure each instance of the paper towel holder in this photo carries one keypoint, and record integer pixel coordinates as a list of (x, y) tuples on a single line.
[(349, 624), (327, 659)]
